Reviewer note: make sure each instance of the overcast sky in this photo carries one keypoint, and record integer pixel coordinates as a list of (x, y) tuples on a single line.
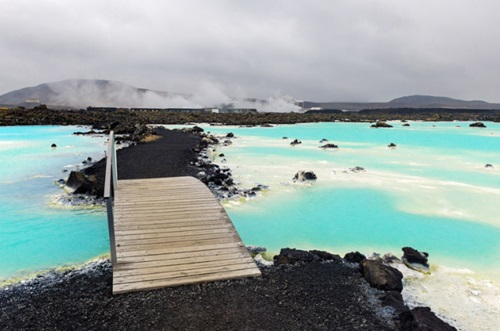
[(324, 50)]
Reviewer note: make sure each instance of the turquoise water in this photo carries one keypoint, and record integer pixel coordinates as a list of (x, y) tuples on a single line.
[(35, 232), (431, 192)]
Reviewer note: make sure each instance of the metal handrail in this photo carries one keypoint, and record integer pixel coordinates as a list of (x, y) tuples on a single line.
[(110, 184)]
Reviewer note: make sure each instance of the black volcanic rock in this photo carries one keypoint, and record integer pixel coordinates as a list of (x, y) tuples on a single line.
[(329, 146), (302, 176), (354, 257), (293, 256), (393, 299), (414, 256), (326, 256), (477, 125), (381, 276), (423, 319), (381, 124)]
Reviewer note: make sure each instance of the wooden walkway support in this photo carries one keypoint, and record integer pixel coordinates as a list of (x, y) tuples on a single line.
[(172, 231)]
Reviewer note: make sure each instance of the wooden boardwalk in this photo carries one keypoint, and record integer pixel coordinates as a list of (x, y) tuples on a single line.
[(173, 231)]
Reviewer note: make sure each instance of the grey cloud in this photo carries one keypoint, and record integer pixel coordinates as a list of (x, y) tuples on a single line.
[(321, 50)]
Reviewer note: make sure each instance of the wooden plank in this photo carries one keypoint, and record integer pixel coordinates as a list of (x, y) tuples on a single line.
[(124, 230), (129, 261), (156, 199), (163, 269), (167, 235), (187, 248), (176, 245), (187, 270), (167, 209), (150, 285), (159, 218), (221, 258)]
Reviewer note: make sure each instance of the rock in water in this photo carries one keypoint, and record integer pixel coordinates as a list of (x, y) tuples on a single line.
[(329, 146), (381, 124), (422, 318), (415, 260), (302, 176), (392, 145), (381, 276), (53, 146), (295, 142), (477, 125), (357, 169)]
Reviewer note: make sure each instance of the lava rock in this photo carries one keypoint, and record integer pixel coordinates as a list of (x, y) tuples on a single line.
[(230, 135), (293, 256), (329, 146), (477, 125), (354, 257), (415, 260), (393, 299), (256, 249), (302, 176), (381, 276), (326, 256), (391, 145), (295, 142), (79, 183), (357, 169), (381, 124), (422, 319), (53, 146)]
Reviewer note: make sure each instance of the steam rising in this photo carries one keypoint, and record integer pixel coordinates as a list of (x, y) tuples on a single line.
[(102, 93)]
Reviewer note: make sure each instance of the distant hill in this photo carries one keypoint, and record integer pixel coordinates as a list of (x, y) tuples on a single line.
[(412, 101), (81, 93)]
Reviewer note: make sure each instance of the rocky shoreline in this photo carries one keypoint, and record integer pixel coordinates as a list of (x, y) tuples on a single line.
[(300, 290)]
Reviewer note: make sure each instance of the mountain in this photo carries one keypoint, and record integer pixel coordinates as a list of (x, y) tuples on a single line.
[(428, 101), (81, 93), (412, 101)]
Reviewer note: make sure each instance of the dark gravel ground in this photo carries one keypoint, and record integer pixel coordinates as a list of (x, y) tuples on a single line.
[(169, 156), (314, 296)]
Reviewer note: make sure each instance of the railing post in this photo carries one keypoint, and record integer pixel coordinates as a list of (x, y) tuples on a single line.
[(110, 184), (115, 164)]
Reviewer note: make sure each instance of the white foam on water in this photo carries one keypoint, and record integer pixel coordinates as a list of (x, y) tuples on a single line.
[(12, 144), (468, 300), (461, 297)]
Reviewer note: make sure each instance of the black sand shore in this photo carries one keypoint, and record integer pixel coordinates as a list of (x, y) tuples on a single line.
[(313, 296)]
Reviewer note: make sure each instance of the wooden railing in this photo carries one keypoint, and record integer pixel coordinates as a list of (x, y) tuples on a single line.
[(110, 184)]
